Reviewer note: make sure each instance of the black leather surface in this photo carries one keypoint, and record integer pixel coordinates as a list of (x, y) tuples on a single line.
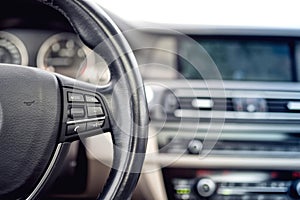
[(125, 96), (29, 123)]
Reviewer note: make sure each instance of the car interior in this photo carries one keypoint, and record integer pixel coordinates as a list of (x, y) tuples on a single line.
[(95, 105)]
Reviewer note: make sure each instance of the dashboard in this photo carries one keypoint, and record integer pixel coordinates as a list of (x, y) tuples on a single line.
[(224, 107), (232, 140)]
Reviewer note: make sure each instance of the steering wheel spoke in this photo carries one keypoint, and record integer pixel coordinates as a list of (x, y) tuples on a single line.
[(85, 111)]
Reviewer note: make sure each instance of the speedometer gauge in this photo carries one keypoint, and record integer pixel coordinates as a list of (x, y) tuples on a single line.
[(65, 54), (12, 49), (62, 53)]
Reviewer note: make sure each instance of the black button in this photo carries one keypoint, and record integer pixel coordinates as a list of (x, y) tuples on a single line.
[(75, 97), (94, 111), (91, 99), (94, 125), (76, 128), (77, 112)]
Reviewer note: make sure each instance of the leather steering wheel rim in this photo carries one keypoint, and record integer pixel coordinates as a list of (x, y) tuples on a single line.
[(95, 27), (84, 16)]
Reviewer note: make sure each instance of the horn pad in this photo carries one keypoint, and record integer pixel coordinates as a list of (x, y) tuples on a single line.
[(30, 104)]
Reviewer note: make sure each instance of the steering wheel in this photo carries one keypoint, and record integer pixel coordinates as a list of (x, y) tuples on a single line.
[(41, 113)]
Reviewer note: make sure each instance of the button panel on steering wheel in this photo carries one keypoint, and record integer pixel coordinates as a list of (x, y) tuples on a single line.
[(84, 114)]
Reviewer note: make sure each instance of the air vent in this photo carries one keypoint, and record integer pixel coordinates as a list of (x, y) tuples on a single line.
[(283, 105), (218, 104), (237, 147), (234, 105), (199, 103)]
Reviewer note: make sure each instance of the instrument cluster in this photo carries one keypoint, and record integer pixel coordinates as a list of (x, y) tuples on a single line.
[(61, 53)]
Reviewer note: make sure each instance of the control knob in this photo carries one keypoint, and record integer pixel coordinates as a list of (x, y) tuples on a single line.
[(206, 187), (295, 189), (195, 147)]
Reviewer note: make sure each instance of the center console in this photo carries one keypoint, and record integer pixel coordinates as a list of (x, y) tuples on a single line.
[(225, 145)]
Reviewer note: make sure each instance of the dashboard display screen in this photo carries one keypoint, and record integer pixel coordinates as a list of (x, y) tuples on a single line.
[(239, 59)]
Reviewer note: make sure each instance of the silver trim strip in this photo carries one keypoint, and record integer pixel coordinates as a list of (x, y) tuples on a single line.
[(243, 190), (195, 161), (246, 136), (184, 113), (232, 127), (243, 86), (46, 174), (85, 120), (217, 93), (286, 154)]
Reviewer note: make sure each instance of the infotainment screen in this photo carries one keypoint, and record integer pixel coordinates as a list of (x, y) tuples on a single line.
[(240, 59)]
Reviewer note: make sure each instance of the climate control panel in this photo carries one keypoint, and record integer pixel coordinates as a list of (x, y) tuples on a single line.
[(219, 184)]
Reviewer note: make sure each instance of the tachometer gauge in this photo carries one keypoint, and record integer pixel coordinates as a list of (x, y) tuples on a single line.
[(65, 54), (62, 53), (12, 49)]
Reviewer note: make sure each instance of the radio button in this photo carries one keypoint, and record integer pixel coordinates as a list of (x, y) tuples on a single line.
[(94, 125), (94, 111), (91, 99), (75, 97), (76, 129), (76, 112)]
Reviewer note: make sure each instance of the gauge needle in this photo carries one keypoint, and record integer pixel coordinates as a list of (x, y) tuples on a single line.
[(83, 69)]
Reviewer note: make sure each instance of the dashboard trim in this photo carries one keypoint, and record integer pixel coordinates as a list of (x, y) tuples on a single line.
[(184, 113), (207, 92), (195, 161)]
